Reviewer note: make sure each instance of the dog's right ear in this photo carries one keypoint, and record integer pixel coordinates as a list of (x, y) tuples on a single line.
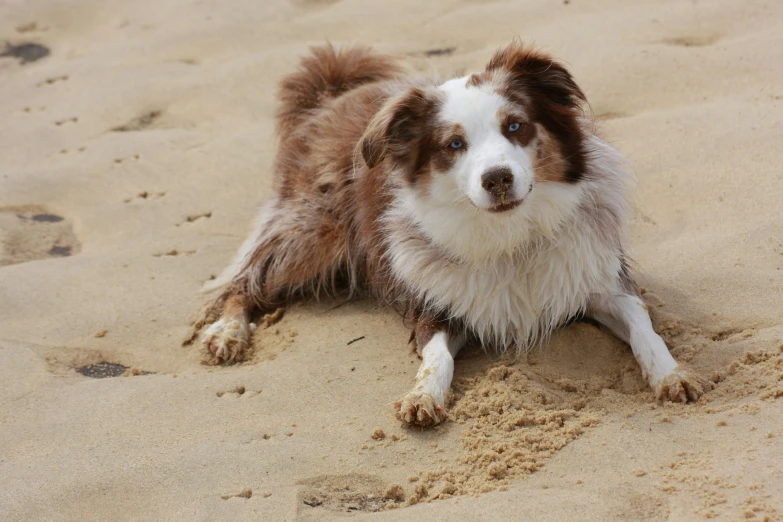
[(397, 127)]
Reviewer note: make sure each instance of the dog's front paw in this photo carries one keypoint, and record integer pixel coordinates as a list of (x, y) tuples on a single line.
[(679, 386), (420, 409), (227, 339)]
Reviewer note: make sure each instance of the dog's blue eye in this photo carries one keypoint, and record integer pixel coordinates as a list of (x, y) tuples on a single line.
[(513, 127), (456, 144)]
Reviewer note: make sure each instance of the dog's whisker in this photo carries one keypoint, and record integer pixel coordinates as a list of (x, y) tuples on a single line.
[(559, 160)]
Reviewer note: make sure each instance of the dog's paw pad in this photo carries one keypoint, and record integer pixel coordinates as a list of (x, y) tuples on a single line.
[(680, 386), (420, 409), (227, 340)]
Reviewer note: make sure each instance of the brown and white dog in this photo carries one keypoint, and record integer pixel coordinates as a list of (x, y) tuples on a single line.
[(484, 208)]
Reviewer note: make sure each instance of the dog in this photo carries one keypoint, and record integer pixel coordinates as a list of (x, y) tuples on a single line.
[(485, 209)]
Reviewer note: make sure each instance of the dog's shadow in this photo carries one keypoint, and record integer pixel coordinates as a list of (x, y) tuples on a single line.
[(581, 353)]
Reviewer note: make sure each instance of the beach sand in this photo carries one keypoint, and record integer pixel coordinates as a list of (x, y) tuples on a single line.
[(136, 141)]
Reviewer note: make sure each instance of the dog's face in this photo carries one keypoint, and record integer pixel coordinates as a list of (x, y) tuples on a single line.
[(491, 146), (485, 143)]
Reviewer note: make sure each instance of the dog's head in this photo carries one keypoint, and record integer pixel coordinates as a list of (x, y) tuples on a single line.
[(486, 141)]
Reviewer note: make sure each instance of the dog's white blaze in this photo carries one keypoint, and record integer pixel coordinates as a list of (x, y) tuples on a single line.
[(477, 110)]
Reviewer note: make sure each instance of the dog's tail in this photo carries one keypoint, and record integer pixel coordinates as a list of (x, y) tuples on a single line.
[(326, 74)]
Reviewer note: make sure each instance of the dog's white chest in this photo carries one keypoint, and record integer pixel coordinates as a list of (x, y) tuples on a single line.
[(518, 299)]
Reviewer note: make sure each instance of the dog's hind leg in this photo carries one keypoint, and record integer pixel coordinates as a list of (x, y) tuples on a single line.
[(297, 251), (228, 338)]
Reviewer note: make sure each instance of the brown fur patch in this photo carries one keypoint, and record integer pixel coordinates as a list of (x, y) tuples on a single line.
[(236, 306), (308, 248), (425, 325), (476, 79), (408, 133), (548, 163), (522, 136), (547, 91), (326, 74)]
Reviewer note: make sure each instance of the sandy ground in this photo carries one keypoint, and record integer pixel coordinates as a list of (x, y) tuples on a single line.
[(132, 156)]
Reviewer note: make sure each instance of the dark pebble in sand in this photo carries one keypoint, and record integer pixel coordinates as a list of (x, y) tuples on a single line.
[(47, 218), (26, 52), (102, 370), (59, 251), (440, 52)]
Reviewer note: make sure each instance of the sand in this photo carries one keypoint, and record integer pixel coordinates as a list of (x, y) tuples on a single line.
[(137, 140)]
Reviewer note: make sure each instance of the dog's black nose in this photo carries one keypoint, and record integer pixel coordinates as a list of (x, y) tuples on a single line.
[(497, 181)]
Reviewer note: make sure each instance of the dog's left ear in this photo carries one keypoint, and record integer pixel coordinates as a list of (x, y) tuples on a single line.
[(534, 73)]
